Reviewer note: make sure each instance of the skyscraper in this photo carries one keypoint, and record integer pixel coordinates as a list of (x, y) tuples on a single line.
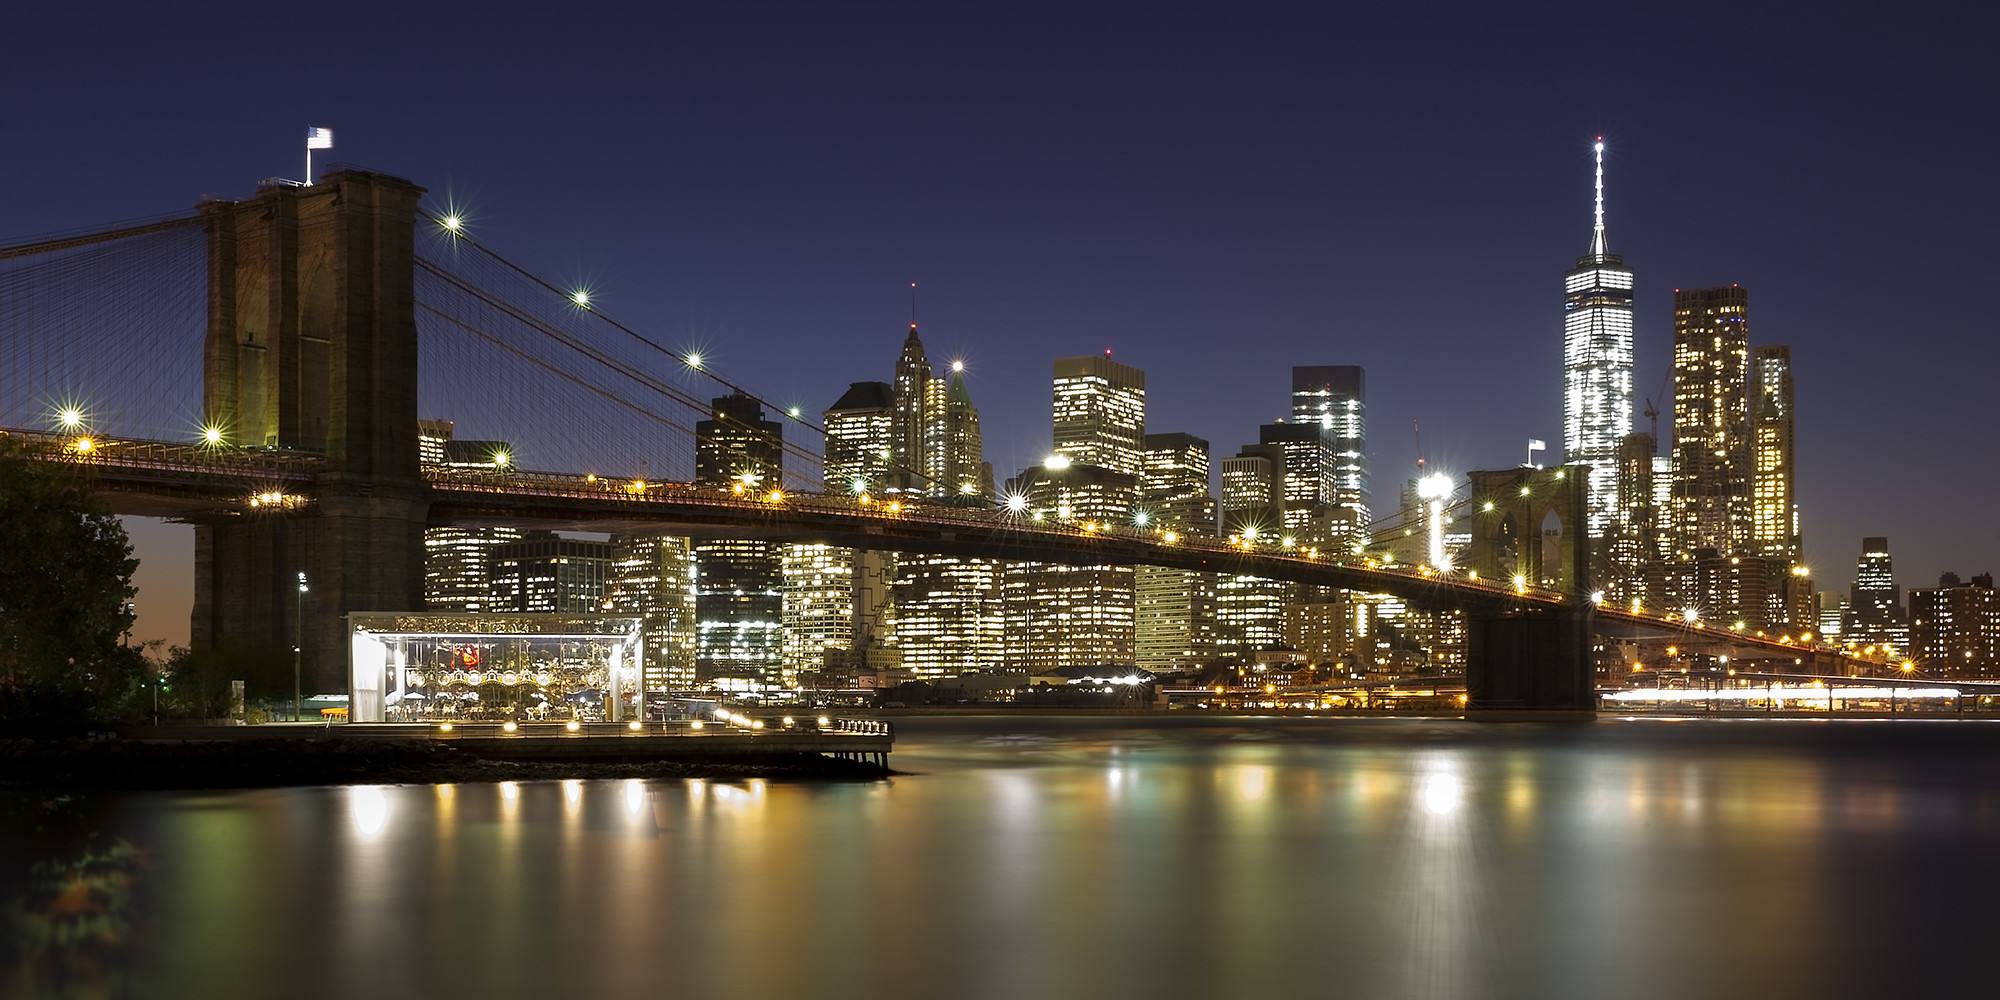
[(739, 604), (1100, 413), (1057, 615), (458, 566), (1774, 511), (1335, 398), (950, 619), (818, 610), (1597, 364), (458, 561), (545, 572), (1712, 453), (915, 433), (861, 438), (1875, 604), (1250, 610), (962, 467), (1174, 610), (652, 576)]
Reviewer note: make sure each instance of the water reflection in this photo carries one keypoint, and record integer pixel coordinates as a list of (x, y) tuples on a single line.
[(370, 808), (1092, 858)]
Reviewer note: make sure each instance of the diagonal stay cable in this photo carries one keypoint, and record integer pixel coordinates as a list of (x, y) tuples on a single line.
[(552, 369), (608, 361)]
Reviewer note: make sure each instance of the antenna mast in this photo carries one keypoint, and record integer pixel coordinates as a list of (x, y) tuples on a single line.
[(1597, 232)]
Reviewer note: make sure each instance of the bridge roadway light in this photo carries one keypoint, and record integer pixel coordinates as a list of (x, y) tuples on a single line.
[(500, 459), (211, 435), (84, 444), (70, 417)]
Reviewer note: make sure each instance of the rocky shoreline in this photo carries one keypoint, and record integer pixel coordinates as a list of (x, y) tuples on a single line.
[(135, 765)]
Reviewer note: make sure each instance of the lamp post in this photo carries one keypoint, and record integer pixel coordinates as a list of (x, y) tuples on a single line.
[(298, 641)]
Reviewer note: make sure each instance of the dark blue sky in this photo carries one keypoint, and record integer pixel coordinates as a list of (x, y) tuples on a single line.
[(1214, 193)]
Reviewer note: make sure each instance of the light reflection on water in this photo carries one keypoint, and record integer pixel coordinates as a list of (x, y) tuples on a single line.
[(1055, 857)]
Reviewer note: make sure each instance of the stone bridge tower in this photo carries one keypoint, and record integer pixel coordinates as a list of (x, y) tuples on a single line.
[(312, 347), (1532, 658)]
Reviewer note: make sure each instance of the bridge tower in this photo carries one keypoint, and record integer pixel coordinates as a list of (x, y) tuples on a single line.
[(1531, 657), (312, 347)]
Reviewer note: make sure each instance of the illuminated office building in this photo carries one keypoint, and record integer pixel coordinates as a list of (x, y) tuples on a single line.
[(458, 567), (1174, 610), (1712, 441), (739, 602), (1250, 610), (950, 616), (545, 572), (1597, 364), (818, 609), (917, 398), (1334, 397), (1057, 615), (652, 578), (1100, 413), (1955, 628), (860, 438), (934, 429), (1875, 603), (458, 561), (1832, 612), (1774, 511)]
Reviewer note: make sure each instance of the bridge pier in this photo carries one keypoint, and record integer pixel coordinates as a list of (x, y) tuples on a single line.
[(1530, 660), (312, 347)]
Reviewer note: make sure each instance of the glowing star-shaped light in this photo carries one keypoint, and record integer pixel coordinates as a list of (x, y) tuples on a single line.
[(212, 435), (694, 360), (581, 297), (71, 417), (794, 411), (958, 366), (452, 223)]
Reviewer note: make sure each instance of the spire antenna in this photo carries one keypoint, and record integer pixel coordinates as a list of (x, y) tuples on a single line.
[(913, 288), (1597, 248)]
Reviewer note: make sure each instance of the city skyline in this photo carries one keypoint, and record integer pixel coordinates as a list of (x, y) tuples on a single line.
[(1225, 225)]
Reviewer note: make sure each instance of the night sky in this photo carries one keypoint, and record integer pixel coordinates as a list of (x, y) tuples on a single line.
[(1214, 194)]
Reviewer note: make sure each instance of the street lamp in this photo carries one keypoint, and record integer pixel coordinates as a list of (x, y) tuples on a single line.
[(298, 640)]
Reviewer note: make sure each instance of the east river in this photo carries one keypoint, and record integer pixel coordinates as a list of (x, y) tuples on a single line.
[(1038, 856)]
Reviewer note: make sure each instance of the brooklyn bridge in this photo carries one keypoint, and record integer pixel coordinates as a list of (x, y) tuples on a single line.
[(257, 368)]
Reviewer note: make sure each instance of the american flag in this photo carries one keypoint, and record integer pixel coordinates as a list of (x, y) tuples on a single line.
[(319, 138), (1536, 444)]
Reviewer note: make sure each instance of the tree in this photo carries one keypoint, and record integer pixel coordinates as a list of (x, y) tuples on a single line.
[(65, 599)]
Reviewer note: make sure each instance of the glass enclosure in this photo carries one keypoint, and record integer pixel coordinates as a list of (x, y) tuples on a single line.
[(494, 667)]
